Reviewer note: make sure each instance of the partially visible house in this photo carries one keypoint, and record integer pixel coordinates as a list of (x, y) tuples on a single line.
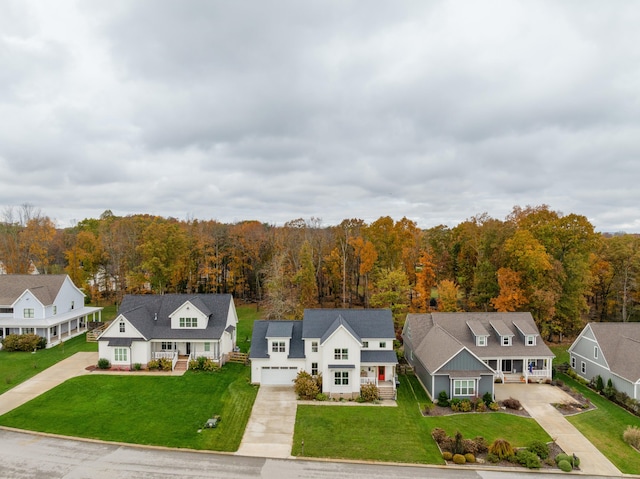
[(173, 326), (348, 347), (464, 353), (50, 306), (612, 351)]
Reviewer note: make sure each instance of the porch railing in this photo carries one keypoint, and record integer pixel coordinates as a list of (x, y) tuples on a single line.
[(164, 355), (368, 380)]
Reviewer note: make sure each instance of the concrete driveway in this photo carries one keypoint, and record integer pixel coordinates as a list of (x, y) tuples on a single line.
[(269, 432), (537, 400), (48, 379)]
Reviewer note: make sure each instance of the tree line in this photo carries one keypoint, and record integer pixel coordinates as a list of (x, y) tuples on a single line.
[(536, 260)]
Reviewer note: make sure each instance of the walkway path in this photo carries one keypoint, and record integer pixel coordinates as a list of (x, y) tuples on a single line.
[(269, 432), (48, 379), (537, 400)]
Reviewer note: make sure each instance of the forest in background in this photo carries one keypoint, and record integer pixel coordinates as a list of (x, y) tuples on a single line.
[(536, 259)]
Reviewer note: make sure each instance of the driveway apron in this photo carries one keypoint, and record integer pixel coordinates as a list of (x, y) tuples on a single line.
[(48, 379), (269, 432), (537, 400)]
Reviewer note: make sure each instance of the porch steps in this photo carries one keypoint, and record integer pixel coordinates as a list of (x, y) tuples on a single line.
[(182, 363), (513, 378), (92, 336), (386, 392)]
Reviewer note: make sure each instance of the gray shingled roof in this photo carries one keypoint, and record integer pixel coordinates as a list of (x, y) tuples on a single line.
[(620, 346), (501, 328), (339, 321), (437, 337), (140, 311), (477, 328), (279, 329), (365, 323), (378, 356), (45, 287), (259, 343)]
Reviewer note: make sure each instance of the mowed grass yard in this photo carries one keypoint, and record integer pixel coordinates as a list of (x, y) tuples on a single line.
[(157, 410), (399, 434), (18, 366)]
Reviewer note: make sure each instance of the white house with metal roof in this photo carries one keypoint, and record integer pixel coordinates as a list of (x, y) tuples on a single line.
[(464, 353), (171, 326), (348, 347), (48, 305), (611, 351)]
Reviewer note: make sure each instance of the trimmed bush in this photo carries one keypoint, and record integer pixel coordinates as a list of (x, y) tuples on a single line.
[(465, 405), (438, 434), (481, 407), (481, 445), (202, 363), (562, 457), (137, 367), (575, 461), (539, 448), (23, 342), (455, 404), (459, 459), (152, 365), (103, 363), (458, 444), (501, 448), (487, 398), (631, 436), (321, 397), (447, 456), (443, 399), (492, 458), (528, 459), (565, 466), (369, 392), (469, 457), (512, 403), (494, 406)]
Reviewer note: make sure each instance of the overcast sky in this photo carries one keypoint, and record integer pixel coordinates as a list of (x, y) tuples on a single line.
[(272, 111)]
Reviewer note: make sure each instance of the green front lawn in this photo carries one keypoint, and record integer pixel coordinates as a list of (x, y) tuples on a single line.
[(18, 366), (604, 428), (399, 434), (247, 314), (158, 410), (562, 353)]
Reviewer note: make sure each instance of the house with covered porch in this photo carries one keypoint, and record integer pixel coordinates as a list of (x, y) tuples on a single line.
[(178, 327), (348, 347), (463, 354), (48, 305)]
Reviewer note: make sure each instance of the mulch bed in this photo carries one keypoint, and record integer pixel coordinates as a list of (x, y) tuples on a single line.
[(579, 403), (446, 411)]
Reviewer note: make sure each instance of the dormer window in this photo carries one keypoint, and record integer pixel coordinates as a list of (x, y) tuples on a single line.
[(383, 344), (278, 347), (188, 322), (481, 341), (314, 346), (365, 344), (506, 340), (530, 340)]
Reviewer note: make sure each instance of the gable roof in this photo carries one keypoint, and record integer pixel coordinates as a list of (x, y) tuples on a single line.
[(141, 311), (260, 344), (361, 323), (438, 337), (339, 322), (45, 287), (620, 346)]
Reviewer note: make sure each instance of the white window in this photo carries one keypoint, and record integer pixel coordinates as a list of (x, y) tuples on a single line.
[(207, 347), (120, 355), (365, 344), (531, 340), (383, 344), (55, 309), (595, 352), (506, 340), (573, 362), (28, 313), (341, 378), (314, 369), (481, 341), (188, 322), (314, 346), (583, 367), (121, 326), (464, 387), (340, 353), (278, 347)]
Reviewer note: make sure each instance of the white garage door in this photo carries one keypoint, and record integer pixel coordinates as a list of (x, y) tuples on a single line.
[(283, 376)]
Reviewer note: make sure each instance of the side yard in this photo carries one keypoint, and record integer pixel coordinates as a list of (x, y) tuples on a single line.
[(157, 410)]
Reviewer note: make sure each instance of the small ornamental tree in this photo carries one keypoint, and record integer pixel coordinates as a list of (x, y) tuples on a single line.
[(305, 386)]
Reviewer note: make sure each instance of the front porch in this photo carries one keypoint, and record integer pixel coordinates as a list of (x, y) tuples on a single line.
[(521, 369), (382, 376)]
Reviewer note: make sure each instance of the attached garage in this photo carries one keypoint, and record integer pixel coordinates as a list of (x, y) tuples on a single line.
[(278, 376)]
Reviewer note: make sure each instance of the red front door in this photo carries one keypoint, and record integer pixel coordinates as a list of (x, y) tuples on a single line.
[(380, 373)]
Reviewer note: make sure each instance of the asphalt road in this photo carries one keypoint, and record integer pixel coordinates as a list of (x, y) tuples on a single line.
[(24, 455)]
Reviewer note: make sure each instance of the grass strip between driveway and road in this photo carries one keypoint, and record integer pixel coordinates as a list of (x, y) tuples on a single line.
[(18, 366), (605, 426), (154, 410), (399, 434)]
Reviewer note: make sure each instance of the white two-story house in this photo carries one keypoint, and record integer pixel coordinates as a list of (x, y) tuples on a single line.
[(170, 326), (50, 306), (347, 347)]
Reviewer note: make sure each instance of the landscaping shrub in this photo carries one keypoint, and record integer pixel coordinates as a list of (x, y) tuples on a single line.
[(609, 392), (438, 434), (455, 404), (575, 460), (469, 457), (23, 342), (165, 364), (501, 448), (459, 459), (465, 405), (137, 367), (305, 386), (492, 458), (528, 459), (103, 363), (202, 363), (481, 407), (369, 392), (512, 403), (447, 456), (321, 397), (562, 457), (539, 448), (480, 445), (487, 398), (458, 443), (565, 466), (599, 383), (153, 365), (443, 399), (632, 436), (494, 406)]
